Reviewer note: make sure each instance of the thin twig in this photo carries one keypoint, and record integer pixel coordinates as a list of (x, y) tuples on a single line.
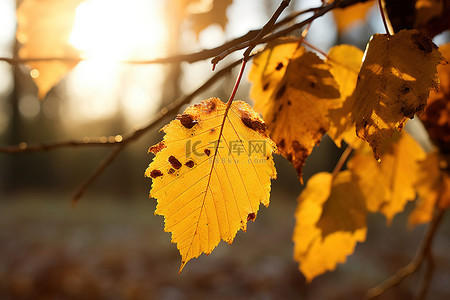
[(119, 139), (342, 160), (383, 17), (172, 108), (413, 266), (268, 27)]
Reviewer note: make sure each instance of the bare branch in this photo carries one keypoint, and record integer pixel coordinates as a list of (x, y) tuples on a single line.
[(423, 253), (268, 27), (189, 58)]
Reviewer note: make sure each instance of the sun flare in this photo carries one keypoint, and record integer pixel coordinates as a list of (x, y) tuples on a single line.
[(114, 30)]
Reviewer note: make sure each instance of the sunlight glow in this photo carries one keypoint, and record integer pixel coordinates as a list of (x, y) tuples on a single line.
[(107, 32), (118, 29)]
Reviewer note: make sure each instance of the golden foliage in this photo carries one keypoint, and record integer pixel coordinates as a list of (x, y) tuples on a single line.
[(203, 13), (428, 186), (43, 29), (389, 185), (294, 90), (345, 61), (393, 84), (330, 220), (348, 16), (207, 196)]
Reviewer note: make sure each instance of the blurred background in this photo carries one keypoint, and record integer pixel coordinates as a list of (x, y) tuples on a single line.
[(111, 246)]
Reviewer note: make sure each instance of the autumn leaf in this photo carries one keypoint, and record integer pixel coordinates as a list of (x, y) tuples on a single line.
[(294, 90), (428, 187), (345, 61), (393, 84), (437, 113), (389, 185), (207, 196), (203, 13), (330, 220), (43, 29), (348, 16)]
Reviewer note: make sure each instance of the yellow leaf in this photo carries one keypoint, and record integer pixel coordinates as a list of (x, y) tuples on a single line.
[(345, 61), (428, 187), (389, 185), (330, 220), (294, 90), (203, 13), (346, 17), (43, 29), (204, 196), (393, 84)]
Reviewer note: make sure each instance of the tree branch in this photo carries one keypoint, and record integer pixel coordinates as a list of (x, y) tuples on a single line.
[(423, 253), (189, 58)]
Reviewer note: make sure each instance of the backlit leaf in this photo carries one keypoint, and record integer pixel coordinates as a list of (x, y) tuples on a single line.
[(204, 196), (43, 29), (348, 16), (428, 187), (393, 84), (294, 90), (345, 61), (330, 220), (389, 185), (203, 13)]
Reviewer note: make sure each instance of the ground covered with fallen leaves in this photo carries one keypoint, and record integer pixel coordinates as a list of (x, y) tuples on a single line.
[(110, 248)]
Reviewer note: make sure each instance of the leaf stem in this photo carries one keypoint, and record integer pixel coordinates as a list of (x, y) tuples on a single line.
[(384, 17), (342, 160)]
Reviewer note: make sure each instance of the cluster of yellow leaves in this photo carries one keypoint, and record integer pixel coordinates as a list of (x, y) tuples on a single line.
[(43, 29), (210, 182), (377, 95), (208, 194)]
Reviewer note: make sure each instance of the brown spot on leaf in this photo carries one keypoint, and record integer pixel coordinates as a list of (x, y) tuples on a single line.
[(175, 163), (282, 143), (312, 84), (279, 66), (251, 217), (297, 146), (289, 102), (280, 107), (253, 124), (266, 86), (404, 89), (186, 120), (207, 152), (423, 43), (158, 147), (210, 106), (212, 130), (171, 170), (280, 92), (155, 173), (322, 131), (190, 164), (408, 111)]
